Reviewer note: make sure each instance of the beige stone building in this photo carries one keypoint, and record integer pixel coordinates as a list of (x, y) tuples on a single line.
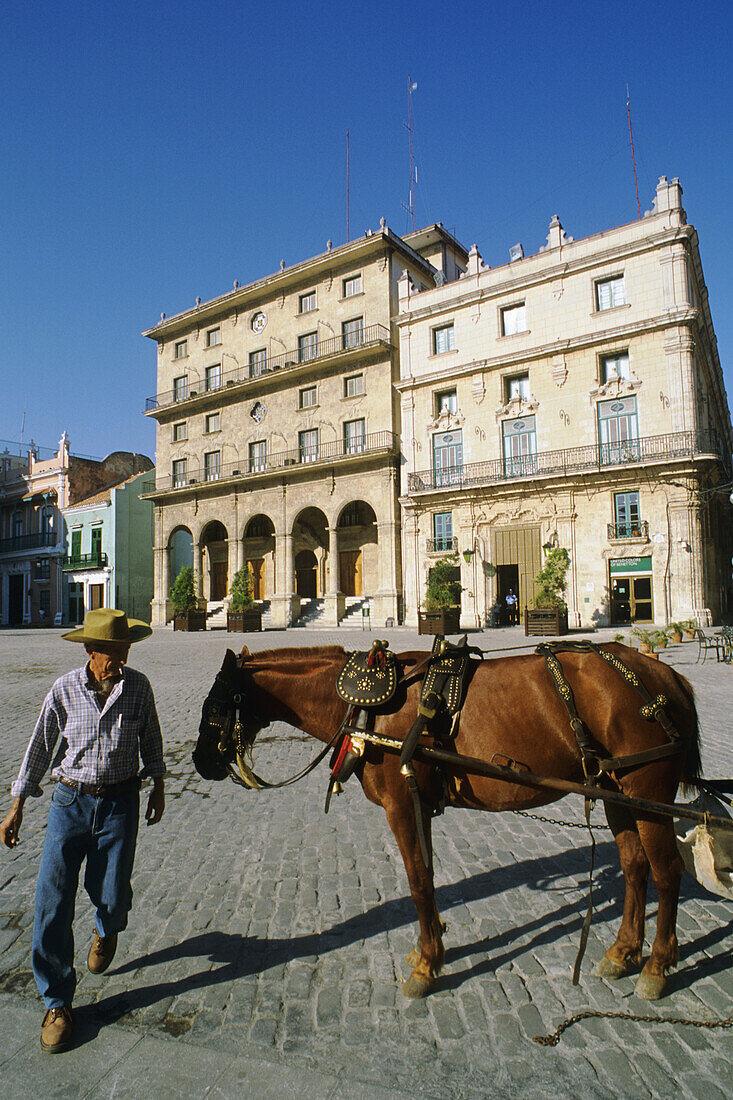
[(571, 398), (277, 432)]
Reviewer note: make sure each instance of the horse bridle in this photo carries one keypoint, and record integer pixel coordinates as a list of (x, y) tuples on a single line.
[(232, 731)]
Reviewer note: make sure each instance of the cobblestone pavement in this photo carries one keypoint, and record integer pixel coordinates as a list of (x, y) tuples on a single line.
[(267, 941)]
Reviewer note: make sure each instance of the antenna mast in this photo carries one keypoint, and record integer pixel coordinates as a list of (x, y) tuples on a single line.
[(413, 171), (633, 158)]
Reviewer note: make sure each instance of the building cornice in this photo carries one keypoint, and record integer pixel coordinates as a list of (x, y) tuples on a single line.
[(248, 297), (546, 267)]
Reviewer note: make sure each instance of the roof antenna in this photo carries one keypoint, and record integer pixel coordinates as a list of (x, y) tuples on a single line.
[(633, 158), (410, 208)]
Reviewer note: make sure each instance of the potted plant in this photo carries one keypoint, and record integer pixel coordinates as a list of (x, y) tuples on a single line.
[(185, 602), (661, 639), (674, 632), (688, 628), (647, 640), (243, 612), (441, 607), (621, 639), (550, 612)]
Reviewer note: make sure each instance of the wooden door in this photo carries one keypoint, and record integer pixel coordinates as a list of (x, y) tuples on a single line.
[(96, 596), (256, 567), (218, 580), (350, 572)]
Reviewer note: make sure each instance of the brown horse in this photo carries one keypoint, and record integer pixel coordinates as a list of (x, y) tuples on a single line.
[(512, 709)]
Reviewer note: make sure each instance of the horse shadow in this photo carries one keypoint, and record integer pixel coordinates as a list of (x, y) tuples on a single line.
[(229, 956)]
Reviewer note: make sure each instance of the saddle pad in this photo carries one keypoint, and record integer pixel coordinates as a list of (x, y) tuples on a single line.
[(368, 681)]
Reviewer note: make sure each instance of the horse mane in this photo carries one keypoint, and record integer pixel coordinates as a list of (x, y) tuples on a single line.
[(296, 653)]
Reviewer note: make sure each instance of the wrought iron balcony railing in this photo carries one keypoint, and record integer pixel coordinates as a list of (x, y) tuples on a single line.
[(346, 344), (84, 561), (35, 541), (375, 443), (637, 530), (675, 445), (442, 546)]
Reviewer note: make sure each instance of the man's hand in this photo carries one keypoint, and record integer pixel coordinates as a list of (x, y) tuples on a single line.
[(156, 803), (10, 825)]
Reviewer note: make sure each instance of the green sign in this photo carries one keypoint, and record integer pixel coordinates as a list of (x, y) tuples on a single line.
[(630, 565)]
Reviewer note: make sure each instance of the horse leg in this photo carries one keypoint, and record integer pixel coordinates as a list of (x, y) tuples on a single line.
[(660, 845), (427, 964), (626, 951)]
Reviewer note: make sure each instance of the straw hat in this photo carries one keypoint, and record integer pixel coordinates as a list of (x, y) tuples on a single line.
[(107, 625)]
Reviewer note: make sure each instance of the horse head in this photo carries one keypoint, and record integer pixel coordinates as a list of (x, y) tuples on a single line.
[(229, 723)]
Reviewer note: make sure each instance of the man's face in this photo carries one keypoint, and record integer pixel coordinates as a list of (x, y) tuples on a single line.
[(106, 661)]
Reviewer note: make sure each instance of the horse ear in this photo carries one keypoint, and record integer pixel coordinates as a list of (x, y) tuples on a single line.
[(230, 661), (244, 652)]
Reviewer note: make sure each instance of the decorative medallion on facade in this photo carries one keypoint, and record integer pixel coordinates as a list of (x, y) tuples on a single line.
[(259, 321), (257, 412)]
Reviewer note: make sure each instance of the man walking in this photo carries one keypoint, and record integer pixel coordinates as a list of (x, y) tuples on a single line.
[(103, 716)]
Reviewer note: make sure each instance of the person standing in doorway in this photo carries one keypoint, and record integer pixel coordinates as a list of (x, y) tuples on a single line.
[(512, 610), (104, 719)]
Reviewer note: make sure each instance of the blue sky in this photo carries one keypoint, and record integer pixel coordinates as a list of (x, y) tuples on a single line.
[(153, 153)]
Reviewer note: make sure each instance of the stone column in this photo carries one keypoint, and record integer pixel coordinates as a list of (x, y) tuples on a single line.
[(198, 566), (164, 579), (285, 604), (411, 565), (335, 601)]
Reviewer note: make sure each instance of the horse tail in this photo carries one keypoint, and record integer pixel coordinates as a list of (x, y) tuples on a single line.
[(692, 764)]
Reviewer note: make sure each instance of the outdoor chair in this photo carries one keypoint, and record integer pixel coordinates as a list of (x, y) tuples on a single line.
[(707, 642), (726, 643)]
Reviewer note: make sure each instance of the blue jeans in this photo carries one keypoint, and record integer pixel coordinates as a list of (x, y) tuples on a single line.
[(104, 831)]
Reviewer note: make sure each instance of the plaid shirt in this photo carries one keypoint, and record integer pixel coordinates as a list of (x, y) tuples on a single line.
[(100, 743)]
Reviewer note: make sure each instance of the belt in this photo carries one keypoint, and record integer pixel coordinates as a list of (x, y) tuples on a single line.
[(100, 790)]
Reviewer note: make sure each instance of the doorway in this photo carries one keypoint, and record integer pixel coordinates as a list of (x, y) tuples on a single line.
[(218, 580), (15, 599), (631, 600), (306, 574), (96, 596), (350, 572), (256, 568), (76, 603)]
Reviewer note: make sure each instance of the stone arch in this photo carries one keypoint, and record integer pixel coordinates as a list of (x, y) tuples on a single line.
[(258, 542), (180, 550), (310, 533), (358, 549), (214, 547)]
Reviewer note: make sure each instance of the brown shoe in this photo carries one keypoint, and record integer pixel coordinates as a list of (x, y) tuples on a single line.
[(56, 1030), (101, 952)]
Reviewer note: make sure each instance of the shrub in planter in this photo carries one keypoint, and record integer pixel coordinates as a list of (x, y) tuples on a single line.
[(185, 602), (550, 613), (674, 632), (441, 607), (647, 639), (243, 612), (688, 627)]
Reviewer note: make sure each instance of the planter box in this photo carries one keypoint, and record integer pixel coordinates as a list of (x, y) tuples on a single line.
[(446, 621), (545, 621), (245, 621), (190, 620)]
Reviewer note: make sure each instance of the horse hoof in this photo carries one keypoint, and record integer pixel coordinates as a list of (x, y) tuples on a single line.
[(650, 987), (414, 988), (413, 958), (607, 968)]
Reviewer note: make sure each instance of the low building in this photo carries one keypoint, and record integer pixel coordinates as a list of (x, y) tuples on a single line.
[(277, 432), (571, 398), (110, 558), (32, 529)]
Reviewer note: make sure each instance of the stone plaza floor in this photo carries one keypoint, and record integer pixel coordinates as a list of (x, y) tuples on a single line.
[(267, 941)]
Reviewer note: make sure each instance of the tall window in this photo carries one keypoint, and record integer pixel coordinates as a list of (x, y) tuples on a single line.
[(626, 512), (213, 337), (213, 377), (444, 339), (308, 445), (517, 386), (180, 431), (615, 366), (446, 402), (354, 385), (180, 387), (354, 432), (212, 465), (448, 458), (443, 531), (75, 545), (180, 349), (213, 423), (180, 472), (257, 362), (307, 346), (17, 524), (307, 397), (47, 519), (257, 455), (610, 293), (96, 544), (513, 319), (520, 447), (307, 302), (352, 286), (44, 602), (618, 431), (353, 332)]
